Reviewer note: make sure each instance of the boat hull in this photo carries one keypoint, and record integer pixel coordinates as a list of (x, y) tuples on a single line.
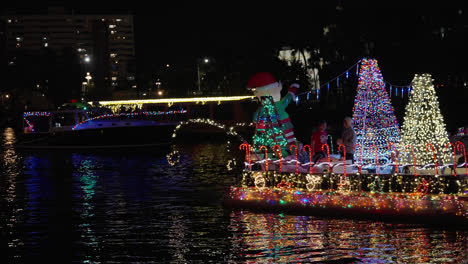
[(423, 208), (133, 136)]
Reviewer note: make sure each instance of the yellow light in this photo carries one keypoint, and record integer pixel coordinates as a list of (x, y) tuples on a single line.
[(177, 100)]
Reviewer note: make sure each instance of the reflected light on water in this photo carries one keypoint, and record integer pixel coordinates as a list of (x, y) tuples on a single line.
[(271, 238), (138, 207)]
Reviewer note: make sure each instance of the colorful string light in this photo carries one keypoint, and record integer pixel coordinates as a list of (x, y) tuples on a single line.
[(373, 116), (172, 112)]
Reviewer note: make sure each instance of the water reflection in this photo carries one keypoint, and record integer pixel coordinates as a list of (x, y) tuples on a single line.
[(11, 168), (138, 207), (282, 238)]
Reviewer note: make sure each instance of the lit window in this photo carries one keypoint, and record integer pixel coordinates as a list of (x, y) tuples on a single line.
[(19, 39), (133, 86), (118, 20), (112, 55), (46, 44), (114, 78), (112, 26), (113, 32), (9, 20), (44, 38), (114, 84), (102, 19)]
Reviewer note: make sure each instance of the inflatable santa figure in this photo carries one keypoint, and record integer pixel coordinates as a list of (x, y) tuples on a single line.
[(272, 122)]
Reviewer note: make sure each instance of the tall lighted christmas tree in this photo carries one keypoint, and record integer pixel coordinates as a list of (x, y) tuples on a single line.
[(423, 123), (374, 122)]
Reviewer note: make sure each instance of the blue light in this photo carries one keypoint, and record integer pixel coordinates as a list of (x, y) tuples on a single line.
[(308, 96), (337, 81), (347, 74)]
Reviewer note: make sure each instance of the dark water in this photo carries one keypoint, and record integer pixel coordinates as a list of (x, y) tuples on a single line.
[(135, 207)]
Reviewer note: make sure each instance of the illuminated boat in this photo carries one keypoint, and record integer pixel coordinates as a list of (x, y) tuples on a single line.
[(78, 129), (125, 124), (275, 185)]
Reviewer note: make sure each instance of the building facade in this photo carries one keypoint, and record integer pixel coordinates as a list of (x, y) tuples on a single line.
[(104, 43)]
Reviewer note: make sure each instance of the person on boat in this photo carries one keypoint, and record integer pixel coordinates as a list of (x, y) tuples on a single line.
[(272, 122), (348, 139), (317, 140)]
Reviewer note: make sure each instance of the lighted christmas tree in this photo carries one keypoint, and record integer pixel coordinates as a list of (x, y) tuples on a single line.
[(374, 122), (269, 131), (423, 123)]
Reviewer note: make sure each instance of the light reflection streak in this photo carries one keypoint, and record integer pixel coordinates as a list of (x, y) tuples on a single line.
[(10, 166), (84, 174)]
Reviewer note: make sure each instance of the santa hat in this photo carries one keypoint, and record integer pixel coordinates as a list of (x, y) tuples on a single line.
[(262, 81)]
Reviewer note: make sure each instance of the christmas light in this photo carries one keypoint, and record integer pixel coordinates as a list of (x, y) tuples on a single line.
[(373, 119), (424, 123), (26, 114), (77, 126), (389, 194)]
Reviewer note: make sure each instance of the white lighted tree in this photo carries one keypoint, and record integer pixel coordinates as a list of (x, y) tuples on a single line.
[(423, 123)]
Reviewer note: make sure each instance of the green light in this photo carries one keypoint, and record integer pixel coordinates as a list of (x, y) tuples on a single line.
[(85, 108), (282, 202)]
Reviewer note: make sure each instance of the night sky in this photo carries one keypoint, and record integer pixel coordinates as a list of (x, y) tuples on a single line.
[(180, 32), (405, 36)]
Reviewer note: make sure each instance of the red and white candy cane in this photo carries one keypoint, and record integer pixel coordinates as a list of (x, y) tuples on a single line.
[(279, 155), (247, 152)]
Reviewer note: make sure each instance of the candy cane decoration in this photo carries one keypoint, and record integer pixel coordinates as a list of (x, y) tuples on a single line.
[(295, 152), (454, 158), (396, 153), (310, 157), (266, 157), (376, 158), (414, 160), (461, 145), (279, 154), (247, 152), (344, 158), (435, 158), (360, 156), (328, 155)]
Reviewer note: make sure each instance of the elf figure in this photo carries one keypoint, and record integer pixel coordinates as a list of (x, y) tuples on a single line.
[(272, 122)]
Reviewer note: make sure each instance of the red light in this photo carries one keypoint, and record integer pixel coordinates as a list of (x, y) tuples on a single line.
[(73, 100)]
